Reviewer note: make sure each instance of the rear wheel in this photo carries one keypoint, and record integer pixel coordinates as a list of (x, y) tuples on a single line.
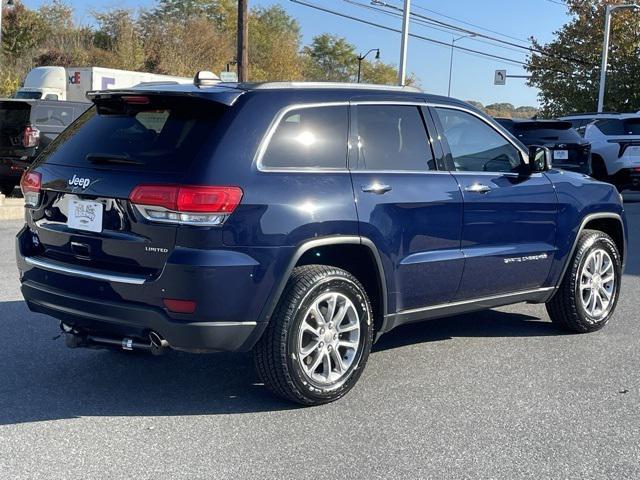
[(599, 169), (588, 295), (319, 338)]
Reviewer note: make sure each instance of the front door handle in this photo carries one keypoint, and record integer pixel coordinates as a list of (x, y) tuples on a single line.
[(378, 188), (478, 188)]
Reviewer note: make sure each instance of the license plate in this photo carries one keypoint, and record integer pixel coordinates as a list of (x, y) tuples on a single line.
[(561, 155), (85, 215), (633, 151)]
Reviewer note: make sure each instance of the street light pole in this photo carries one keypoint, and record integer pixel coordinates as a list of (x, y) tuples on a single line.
[(605, 49), (402, 71), (453, 44), (362, 57)]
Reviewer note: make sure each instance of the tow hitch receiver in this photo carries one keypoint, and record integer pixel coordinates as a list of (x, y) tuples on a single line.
[(76, 339)]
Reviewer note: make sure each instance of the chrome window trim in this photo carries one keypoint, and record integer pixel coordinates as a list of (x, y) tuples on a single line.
[(266, 140), (525, 155), (58, 267)]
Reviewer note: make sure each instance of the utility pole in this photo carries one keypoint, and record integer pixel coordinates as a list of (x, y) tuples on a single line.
[(243, 40), (402, 71), (605, 49)]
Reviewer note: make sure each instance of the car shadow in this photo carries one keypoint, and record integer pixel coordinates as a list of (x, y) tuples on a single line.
[(40, 379), (486, 323)]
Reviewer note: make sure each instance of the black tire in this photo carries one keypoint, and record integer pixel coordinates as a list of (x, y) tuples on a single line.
[(276, 354), (598, 169), (7, 188), (566, 308)]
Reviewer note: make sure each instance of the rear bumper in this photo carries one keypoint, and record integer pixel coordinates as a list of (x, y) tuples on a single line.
[(121, 320), (230, 289)]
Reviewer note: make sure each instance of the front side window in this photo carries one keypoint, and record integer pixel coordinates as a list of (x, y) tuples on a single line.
[(311, 137), (475, 146), (393, 137)]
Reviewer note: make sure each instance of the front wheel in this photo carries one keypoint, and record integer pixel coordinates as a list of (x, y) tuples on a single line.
[(319, 338), (588, 295)]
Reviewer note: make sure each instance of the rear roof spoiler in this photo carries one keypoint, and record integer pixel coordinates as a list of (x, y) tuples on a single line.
[(224, 96)]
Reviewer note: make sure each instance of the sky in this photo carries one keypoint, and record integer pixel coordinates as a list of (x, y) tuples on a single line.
[(472, 76)]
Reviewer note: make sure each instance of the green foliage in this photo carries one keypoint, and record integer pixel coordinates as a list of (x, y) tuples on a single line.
[(22, 30), (176, 37), (505, 110), (331, 58), (572, 86)]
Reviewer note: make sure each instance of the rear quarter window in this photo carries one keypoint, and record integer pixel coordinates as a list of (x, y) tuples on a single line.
[(309, 138)]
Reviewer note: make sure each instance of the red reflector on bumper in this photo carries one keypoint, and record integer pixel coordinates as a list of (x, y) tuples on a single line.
[(179, 306)]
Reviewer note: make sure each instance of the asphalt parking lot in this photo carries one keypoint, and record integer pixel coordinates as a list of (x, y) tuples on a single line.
[(498, 394)]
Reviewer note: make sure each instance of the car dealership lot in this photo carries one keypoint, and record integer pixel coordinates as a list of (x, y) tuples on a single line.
[(499, 394)]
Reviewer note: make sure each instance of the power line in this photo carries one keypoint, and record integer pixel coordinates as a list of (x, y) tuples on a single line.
[(421, 37), (425, 9), (425, 24), (482, 35)]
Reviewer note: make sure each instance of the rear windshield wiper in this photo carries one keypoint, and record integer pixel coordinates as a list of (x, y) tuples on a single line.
[(99, 158)]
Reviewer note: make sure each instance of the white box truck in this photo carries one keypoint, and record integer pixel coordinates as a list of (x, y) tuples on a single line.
[(72, 84)]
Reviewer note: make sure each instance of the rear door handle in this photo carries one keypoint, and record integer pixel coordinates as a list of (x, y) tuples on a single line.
[(378, 188), (478, 188)]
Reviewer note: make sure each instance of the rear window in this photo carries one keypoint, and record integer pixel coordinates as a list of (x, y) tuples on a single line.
[(547, 132), (53, 116), (615, 126), (164, 135), (29, 95)]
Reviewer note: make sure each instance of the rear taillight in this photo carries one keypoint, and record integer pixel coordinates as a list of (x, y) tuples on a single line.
[(30, 137), (194, 205), (31, 184)]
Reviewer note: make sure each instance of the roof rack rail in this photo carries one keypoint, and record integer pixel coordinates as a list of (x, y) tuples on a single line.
[(328, 85)]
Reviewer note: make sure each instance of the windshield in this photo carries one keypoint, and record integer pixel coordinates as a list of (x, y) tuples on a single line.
[(29, 95), (164, 134), (620, 127)]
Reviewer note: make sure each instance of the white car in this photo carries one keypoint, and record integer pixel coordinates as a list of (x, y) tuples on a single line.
[(615, 146)]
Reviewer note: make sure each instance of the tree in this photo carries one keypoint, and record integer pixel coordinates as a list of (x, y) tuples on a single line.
[(118, 40), (222, 13), (22, 30), (274, 45), (567, 74), (330, 58)]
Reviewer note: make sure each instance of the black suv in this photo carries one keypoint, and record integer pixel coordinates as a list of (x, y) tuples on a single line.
[(570, 151), (303, 221), (26, 127)]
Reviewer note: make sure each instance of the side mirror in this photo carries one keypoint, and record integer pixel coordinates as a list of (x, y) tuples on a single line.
[(540, 159)]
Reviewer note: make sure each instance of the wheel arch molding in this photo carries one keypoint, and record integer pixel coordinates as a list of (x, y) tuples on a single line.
[(598, 221), (301, 256)]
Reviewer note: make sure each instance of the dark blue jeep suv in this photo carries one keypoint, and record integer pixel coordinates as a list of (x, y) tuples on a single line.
[(303, 221)]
